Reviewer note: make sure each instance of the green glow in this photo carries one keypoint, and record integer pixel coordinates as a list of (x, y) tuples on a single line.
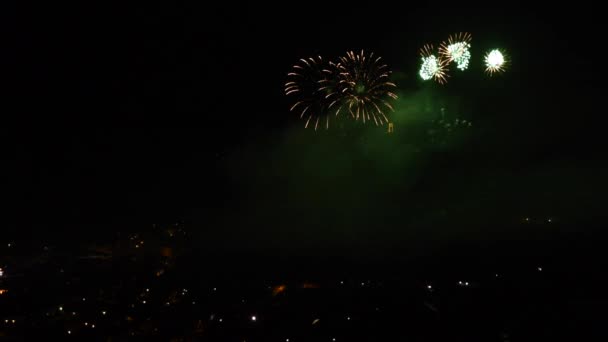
[(360, 88), (430, 67), (460, 53)]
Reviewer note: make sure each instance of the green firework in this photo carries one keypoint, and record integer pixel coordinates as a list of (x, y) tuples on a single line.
[(457, 49), (432, 67)]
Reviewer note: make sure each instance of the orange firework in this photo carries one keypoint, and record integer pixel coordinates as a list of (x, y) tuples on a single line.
[(312, 82), (365, 86)]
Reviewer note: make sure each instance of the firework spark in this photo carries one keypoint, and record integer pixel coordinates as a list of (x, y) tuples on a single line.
[(432, 66), (365, 87), (313, 84), (457, 49), (495, 61)]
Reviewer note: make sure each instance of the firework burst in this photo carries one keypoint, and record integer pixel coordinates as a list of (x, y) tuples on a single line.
[(495, 61), (365, 87), (432, 66), (313, 82), (457, 49)]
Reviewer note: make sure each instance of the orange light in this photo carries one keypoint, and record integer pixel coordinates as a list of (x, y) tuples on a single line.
[(3, 291), (166, 252), (278, 289)]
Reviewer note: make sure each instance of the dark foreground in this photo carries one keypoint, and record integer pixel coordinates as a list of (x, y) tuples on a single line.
[(158, 286)]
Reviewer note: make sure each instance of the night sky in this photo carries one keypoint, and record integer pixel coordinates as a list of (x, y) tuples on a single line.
[(120, 117)]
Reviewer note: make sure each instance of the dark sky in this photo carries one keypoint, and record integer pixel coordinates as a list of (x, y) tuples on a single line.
[(125, 116)]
